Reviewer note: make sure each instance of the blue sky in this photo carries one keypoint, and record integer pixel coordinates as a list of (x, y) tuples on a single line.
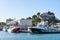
[(25, 8)]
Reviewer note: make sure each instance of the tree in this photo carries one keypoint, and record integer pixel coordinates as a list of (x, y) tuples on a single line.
[(38, 17), (38, 14), (2, 23), (34, 23), (50, 13), (34, 20), (22, 18), (28, 18), (34, 16), (56, 20), (51, 17)]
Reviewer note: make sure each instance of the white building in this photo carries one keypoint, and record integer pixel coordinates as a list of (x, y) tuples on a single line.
[(25, 23)]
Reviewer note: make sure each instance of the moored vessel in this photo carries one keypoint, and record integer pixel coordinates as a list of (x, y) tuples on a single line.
[(44, 29), (14, 29)]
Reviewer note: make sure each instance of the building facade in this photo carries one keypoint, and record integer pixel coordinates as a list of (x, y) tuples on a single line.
[(25, 23)]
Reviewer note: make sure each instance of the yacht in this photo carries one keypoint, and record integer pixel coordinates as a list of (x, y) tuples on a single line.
[(14, 29), (44, 29)]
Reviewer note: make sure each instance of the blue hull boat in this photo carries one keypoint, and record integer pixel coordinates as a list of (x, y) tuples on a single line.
[(37, 30)]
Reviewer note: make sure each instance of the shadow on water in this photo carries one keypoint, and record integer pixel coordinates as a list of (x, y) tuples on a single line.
[(42, 33)]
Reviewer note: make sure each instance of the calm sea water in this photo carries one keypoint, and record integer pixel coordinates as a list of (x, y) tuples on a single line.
[(28, 36)]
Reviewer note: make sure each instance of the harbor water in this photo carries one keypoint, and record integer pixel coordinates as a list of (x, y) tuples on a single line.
[(28, 36)]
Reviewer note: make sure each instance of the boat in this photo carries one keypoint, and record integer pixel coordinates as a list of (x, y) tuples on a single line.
[(14, 29), (44, 29)]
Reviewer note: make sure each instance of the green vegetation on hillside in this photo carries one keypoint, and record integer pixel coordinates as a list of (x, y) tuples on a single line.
[(2, 24), (50, 18)]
